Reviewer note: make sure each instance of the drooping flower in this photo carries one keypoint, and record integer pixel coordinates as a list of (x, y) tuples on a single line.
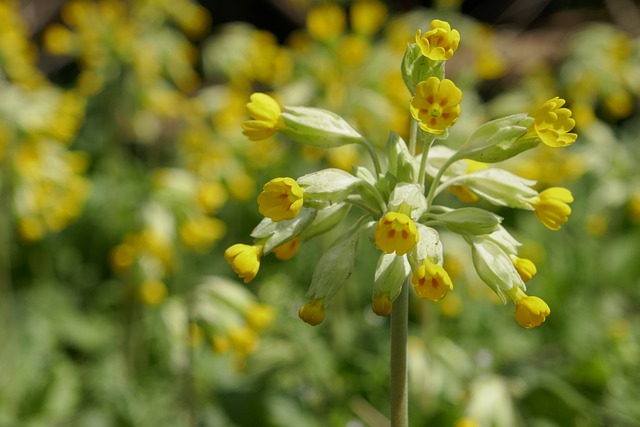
[(440, 42), (551, 207), (265, 115), (553, 123), (436, 104), (530, 311), (244, 259), (288, 250), (312, 312), (525, 267), (396, 232), (382, 305), (281, 199), (431, 281)]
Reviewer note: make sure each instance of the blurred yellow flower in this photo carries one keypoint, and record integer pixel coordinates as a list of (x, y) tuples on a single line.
[(551, 206), (431, 281), (281, 199), (440, 42), (260, 316), (244, 259), (312, 312), (244, 340), (396, 232), (436, 104), (326, 21), (367, 16), (152, 292), (266, 117), (553, 123), (288, 250)]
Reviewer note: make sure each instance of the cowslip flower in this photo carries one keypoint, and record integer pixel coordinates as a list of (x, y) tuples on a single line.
[(382, 305), (326, 21), (431, 281), (288, 250), (440, 42), (266, 117), (525, 267), (553, 123), (530, 311), (312, 312), (436, 104), (281, 199), (244, 259), (552, 207), (396, 232), (367, 16)]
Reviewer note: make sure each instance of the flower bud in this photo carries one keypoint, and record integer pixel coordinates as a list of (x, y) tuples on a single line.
[(327, 187), (494, 267), (391, 273), (278, 233), (500, 187), (318, 127), (499, 140), (470, 221)]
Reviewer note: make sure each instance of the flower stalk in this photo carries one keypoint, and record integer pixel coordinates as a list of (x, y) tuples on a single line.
[(399, 373)]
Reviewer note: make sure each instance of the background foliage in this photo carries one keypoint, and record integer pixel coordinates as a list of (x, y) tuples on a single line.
[(125, 176)]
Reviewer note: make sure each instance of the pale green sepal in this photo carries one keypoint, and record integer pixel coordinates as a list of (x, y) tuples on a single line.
[(416, 67), (371, 193), (318, 127), (494, 267), (505, 240), (327, 219), (334, 267), (402, 164), (470, 221), (429, 247), (408, 194), (327, 187), (499, 140), (281, 232), (501, 187), (391, 272)]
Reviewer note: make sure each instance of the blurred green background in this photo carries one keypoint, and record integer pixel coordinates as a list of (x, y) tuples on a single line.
[(124, 176)]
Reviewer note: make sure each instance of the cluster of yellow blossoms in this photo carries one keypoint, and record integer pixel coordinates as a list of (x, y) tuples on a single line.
[(398, 204)]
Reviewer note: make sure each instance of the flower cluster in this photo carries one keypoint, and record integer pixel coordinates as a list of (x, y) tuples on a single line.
[(398, 204)]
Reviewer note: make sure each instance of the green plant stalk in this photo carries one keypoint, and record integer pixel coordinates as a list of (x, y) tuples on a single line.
[(399, 367)]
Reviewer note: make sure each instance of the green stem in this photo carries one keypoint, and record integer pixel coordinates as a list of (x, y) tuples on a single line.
[(413, 136), (399, 367), (423, 161), (374, 156), (436, 179)]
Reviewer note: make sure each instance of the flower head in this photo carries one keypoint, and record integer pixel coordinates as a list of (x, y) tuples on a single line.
[(551, 206), (244, 259), (312, 312), (266, 117), (431, 281), (281, 199), (396, 232), (525, 267), (436, 104), (553, 123), (382, 305), (440, 42), (530, 311)]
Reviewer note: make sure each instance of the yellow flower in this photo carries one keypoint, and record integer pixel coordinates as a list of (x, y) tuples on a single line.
[(326, 21), (382, 305), (312, 312), (367, 16), (551, 207), (281, 199), (152, 292), (440, 42), (552, 124), (244, 259), (436, 104), (396, 232), (260, 316), (266, 117), (243, 340), (431, 281), (530, 311), (288, 250), (525, 267)]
